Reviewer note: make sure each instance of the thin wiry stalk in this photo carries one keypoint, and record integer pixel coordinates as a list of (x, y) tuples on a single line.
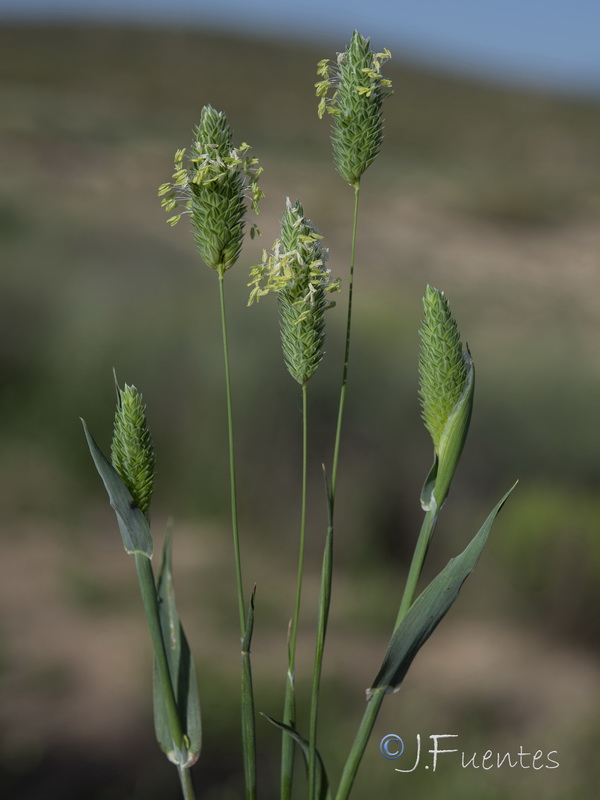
[(287, 746), (416, 564), (232, 477), (324, 602), (248, 716), (296, 618), (338, 433), (248, 727), (287, 743), (326, 577)]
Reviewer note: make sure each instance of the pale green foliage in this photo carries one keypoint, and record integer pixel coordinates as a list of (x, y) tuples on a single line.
[(443, 366), (132, 450), (358, 90), (296, 271), (214, 188)]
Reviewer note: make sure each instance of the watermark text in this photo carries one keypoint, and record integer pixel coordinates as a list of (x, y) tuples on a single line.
[(415, 754)]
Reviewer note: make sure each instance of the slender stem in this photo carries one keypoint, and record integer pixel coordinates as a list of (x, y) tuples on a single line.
[(376, 699), (248, 727), (289, 715), (360, 742), (338, 433), (187, 786), (150, 601), (287, 743), (324, 601), (294, 632), (248, 715), (232, 479), (416, 564), (326, 575)]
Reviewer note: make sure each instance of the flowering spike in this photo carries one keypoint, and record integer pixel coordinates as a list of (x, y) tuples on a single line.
[(295, 269), (132, 450), (442, 365), (358, 90), (446, 383), (213, 188)]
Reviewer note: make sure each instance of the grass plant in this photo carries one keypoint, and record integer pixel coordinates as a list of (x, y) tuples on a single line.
[(216, 183)]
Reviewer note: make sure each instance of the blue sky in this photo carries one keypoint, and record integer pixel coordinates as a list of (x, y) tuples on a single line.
[(551, 42)]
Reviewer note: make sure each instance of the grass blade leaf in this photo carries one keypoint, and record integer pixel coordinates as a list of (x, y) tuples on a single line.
[(429, 608), (181, 670), (322, 784), (133, 525)]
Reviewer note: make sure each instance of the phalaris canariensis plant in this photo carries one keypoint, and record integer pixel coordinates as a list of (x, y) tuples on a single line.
[(216, 183)]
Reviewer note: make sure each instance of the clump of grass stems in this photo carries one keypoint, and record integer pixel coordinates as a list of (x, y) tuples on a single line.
[(215, 183)]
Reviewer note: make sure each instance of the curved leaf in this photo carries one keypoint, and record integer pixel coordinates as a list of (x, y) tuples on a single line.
[(322, 787), (181, 670), (133, 525), (429, 608)]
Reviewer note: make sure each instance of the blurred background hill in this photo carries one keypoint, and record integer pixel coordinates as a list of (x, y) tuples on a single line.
[(491, 193)]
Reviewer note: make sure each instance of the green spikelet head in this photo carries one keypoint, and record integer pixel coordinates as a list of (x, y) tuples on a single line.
[(443, 366), (352, 90), (214, 185), (132, 450), (296, 271)]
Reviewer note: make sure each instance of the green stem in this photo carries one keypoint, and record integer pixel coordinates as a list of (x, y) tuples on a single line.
[(294, 633), (232, 478), (376, 699), (416, 565), (326, 575), (248, 727), (248, 714), (289, 714), (360, 742), (324, 601), (187, 787), (338, 432)]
